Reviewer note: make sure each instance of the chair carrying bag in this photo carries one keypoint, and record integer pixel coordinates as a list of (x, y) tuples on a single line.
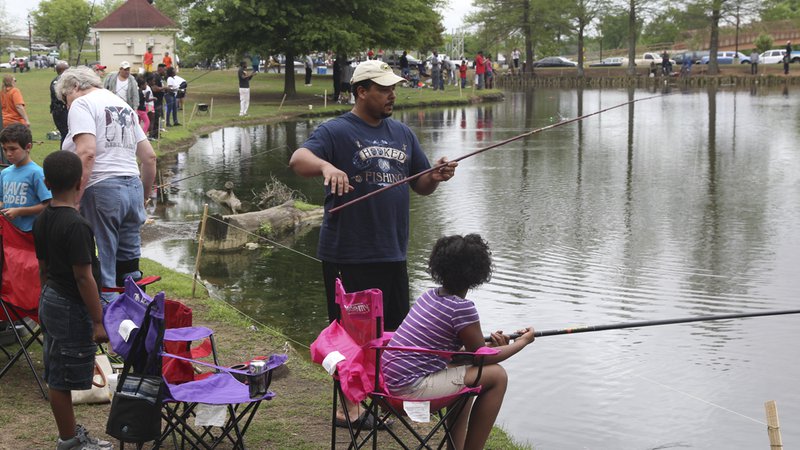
[(135, 414)]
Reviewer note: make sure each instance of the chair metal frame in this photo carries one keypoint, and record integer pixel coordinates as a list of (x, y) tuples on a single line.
[(12, 313), (177, 413), (392, 404)]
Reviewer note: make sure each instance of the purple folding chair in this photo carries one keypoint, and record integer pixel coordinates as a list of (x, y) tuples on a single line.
[(218, 387)]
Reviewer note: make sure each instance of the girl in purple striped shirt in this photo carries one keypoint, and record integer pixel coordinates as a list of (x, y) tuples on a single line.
[(443, 319)]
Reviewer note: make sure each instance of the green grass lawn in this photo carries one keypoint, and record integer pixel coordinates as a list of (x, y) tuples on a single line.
[(220, 90)]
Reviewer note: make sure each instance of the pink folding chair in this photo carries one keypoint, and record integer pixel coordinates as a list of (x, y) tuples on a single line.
[(351, 349)]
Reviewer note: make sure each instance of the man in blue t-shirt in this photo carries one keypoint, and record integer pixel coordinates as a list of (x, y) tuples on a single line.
[(23, 193), (357, 153)]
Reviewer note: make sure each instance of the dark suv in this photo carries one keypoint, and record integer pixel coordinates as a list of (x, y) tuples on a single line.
[(696, 56)]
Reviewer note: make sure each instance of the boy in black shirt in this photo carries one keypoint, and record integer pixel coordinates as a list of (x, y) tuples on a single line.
[(69, 308)]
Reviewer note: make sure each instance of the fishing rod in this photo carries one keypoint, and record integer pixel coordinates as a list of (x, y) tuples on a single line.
[(650, 323), (481, 150)]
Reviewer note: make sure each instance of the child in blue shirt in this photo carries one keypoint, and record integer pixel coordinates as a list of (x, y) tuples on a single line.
[(24, 194)]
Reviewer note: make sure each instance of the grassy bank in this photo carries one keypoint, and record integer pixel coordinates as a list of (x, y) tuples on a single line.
[(220, 91)]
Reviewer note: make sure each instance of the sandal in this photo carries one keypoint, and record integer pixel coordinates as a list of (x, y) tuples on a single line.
[(365, 421)]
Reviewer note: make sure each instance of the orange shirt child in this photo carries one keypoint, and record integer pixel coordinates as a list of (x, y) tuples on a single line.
[(11, 97)]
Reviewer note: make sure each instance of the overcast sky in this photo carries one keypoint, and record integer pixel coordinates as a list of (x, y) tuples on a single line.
[(17, 11)]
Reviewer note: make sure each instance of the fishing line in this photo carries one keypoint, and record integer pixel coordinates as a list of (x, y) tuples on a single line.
[(223, 166), (495, 145), (699, 399), (242, 313), (264, 239)]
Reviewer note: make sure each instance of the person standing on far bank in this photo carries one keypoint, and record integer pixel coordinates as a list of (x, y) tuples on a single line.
[(787, 57), (754, 62), (244, 89), (309, 64)]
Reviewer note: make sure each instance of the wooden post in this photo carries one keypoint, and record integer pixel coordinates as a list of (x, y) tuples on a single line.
[(160, 186), (191, 116), (282, 100), (200, 247), (773, 426), (211, 109), (325, 98)]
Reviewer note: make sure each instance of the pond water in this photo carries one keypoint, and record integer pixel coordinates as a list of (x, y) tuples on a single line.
[(686, 204)]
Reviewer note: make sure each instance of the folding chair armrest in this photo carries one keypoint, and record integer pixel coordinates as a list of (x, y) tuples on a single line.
[(187, 334), (274, 361), (458, 357), (141, 283)]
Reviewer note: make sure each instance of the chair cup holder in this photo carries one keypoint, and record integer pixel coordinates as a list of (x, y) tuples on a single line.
[(240, 377)]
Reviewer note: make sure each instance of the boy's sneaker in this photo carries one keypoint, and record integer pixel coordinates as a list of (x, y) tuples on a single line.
[(80, 430), (82, 441)]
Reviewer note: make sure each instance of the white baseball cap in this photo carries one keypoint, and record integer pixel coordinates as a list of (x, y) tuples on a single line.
[(124, 65), (377, 71)]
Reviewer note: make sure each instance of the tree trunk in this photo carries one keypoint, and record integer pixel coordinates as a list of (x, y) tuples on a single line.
[(713, 66), (581, 56), (526, 30), (632, 38), (288, 77)]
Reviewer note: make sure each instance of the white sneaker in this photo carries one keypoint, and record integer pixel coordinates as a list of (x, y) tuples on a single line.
[(82, 441)]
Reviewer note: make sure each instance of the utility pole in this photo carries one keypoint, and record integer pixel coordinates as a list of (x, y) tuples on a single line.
[(30, 39)]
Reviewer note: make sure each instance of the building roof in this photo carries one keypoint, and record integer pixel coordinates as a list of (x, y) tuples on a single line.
[(136, 14)]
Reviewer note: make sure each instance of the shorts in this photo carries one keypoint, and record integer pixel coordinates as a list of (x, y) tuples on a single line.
[(68, 346), (440, 384)]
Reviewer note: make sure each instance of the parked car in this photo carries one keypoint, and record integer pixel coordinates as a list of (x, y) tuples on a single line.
[(696, 55), (727, 58), (775, 56), (15, 49), (554, 61), (39, 48), (394, 60), (615, 61)]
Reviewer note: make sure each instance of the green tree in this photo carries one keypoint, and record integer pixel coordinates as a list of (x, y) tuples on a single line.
[(614, 28), (65, 22), (663, 28), (581, 15), (763, 42), (294, 27), (773, 10), (540, 23)]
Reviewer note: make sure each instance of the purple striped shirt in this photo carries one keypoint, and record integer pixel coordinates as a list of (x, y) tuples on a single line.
[(433, 322)]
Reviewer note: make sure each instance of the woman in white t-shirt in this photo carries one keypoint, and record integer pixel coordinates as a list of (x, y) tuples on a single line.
[(104, 132)]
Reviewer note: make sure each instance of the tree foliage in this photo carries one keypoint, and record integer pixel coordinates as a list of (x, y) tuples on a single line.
[(774, 10), (294, 27), (763, 43), (65, 21), (540, 24)]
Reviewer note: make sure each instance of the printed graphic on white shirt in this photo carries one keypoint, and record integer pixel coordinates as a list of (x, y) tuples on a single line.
[(119, 131)]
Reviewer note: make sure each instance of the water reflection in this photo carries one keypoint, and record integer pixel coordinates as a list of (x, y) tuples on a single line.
[(654, 210)]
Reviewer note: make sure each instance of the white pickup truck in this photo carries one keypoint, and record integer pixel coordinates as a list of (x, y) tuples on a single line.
[(648, 57)]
